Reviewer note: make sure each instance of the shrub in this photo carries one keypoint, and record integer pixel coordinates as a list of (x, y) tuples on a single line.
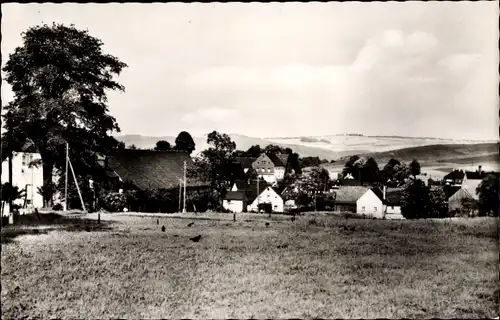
[(57, 207), (114, 202)]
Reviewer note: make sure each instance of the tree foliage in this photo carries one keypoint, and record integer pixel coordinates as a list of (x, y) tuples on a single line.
[(163, 145), (415, 168), (213, 165), (415, 200), (488, 195), (60, 77), (185, 142)]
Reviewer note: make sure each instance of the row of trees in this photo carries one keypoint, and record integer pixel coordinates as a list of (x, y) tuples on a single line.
[(394, 173)]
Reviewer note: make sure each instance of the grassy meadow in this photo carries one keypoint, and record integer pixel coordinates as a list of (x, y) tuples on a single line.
[(126, 267)]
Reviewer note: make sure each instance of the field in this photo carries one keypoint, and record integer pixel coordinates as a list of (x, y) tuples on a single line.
[(126, 267)]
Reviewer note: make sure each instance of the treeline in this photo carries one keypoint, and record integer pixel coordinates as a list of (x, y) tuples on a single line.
[(395, 173)]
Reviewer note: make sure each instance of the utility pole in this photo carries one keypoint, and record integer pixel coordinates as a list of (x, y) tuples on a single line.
[(77, 187), (180, 194), (184, 207), (66, 179)]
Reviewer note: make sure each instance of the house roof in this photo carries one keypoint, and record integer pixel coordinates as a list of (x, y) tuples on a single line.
[(252, 191), (241, 185), (246, 162), (349, 182), (378, 193), (455, 174), (279, 160), (349, 194), (236, 195), (450, 190), (149, 169)]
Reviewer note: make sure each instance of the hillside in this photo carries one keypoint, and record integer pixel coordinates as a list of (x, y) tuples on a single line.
[(437, 153), (330, 147)]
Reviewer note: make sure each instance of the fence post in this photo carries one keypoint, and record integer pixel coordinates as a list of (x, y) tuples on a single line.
[(234, 217)]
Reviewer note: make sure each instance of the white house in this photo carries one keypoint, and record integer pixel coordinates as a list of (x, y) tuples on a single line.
[(371, 203), (268, 195), (471, 181), (25, 177), (235, 201)]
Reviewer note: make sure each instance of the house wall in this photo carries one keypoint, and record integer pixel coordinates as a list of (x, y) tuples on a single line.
[(263, 165), (235, 206), (370, 204), (393, 209), (471, 186), (455, 201), (25, 177), (343, 207), (279, 173), (268, 196)]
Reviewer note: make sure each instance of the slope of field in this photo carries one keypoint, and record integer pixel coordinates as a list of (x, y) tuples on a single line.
[(310, 268), (355, 144)]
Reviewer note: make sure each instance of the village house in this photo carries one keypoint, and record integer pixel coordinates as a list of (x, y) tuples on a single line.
[(371, 203), (264, 167), (269, 195), (149, 170), (243, 193), (280, 162), (347, 197), (471, 181), (26, 177), (455, 200)]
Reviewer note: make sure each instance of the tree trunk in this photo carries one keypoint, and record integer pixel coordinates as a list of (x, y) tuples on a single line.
[(48, 167)]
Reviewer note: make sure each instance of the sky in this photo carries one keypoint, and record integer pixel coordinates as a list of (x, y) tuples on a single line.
[(291, 69)]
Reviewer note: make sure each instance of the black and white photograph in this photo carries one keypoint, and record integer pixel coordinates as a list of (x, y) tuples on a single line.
[(319, 160)]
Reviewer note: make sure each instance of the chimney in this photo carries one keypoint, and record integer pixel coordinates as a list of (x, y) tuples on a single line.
[(385, 189)]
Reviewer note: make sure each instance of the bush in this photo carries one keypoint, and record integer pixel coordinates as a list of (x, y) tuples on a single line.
[(57, 207), (114, 202)]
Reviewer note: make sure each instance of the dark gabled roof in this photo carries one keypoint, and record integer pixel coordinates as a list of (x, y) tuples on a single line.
[(246, 162), (378, 193), (241, 185), (236, 195), (393, 196), (349, 182), (349, 194), (253, 191), (148, 169), (279, 160), (455, 174), (475, 175), (450, 190)]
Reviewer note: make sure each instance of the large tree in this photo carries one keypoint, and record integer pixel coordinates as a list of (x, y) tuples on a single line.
[(60, 77), (389, 172), (415, 168), (487, 191), (214, 164), (415, 200), (370, 171), (185, 142)]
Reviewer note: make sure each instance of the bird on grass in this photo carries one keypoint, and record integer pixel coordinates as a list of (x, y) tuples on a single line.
[(162, 228), (191, 224), (267, 224), (282, 246), (196, 239)]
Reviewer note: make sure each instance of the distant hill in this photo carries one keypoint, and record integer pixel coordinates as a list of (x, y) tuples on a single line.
[(242, 143), (336, 147)]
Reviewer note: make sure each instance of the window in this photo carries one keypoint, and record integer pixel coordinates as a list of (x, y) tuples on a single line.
[(363, 208), (375, 209)]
